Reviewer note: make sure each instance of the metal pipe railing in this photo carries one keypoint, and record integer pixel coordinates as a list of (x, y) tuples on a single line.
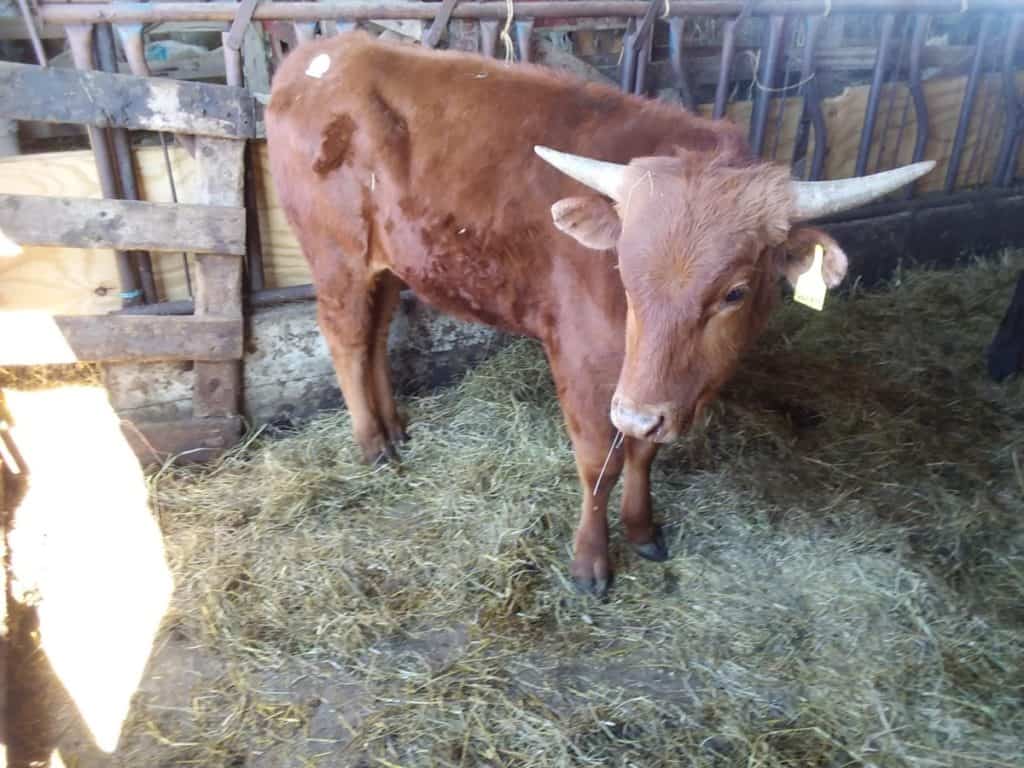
[(103, 39), (1013, 124), (874, 95), (970, 92), (96, 12), (80, 40), (766, 82)]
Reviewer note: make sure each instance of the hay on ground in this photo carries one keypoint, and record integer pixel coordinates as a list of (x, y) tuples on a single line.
[(846, 584)]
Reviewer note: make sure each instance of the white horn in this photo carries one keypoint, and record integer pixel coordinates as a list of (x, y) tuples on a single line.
[(606, 178), (821, 198)]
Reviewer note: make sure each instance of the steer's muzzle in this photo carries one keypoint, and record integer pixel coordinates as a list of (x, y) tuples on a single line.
[(658, 423)]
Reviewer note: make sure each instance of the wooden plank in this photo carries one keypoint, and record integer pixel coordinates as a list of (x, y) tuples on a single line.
[(190, 441), (31, 92), (38, 338), (218, 290), (74, 222)]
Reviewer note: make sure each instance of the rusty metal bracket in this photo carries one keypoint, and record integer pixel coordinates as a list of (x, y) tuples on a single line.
[(433, 35)]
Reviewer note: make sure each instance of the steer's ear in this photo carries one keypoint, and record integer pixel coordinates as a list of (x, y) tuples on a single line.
[(592, 220), (798, 255)]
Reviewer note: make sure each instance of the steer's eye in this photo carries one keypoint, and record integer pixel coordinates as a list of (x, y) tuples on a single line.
[(736, 294)]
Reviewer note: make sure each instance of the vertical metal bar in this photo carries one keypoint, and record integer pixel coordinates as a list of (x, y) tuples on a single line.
[(524, 31), (781, 102), (304, 31), (880, 159), (810, 115), (765, 81), (33, 33), (877, 81), (643, 57), (970, 92), (80, 41), (725, 69), (976, 165), (488, 38), (1013, 122), (253, 244), (104, 40), (134, 50), (915, 45), (676, 26), (921, 23), (232, 62), (627, 74)]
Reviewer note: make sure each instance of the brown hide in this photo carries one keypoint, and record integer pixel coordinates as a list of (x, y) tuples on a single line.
[(402, 164)]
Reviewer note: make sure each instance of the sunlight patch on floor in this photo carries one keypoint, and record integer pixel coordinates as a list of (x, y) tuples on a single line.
[(87, 551)]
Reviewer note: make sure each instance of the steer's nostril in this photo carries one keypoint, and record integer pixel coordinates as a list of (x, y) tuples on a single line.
[(657, 425)]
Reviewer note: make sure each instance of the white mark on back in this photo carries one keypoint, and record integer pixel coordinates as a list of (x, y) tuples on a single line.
[(318, 66)]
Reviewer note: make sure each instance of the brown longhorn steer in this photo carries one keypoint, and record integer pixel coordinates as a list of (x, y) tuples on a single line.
[(645, 261)]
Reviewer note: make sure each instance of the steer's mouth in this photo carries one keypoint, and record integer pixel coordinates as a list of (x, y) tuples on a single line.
[(659, 423)]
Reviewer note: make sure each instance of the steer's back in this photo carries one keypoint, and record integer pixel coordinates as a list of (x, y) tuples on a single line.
[(422, 162)]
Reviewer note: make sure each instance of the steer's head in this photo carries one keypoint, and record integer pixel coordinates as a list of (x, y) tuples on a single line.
[(702, 239)]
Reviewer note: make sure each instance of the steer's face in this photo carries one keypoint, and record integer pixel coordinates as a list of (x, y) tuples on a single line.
[(701, 245)]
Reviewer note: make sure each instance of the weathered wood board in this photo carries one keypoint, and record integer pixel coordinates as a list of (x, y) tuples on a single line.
[(31, 92), (73, 222), (38, 338), (85, 282), (288, 373)]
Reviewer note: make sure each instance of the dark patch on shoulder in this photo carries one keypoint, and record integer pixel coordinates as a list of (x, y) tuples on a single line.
[(335, 143), (394, 133)]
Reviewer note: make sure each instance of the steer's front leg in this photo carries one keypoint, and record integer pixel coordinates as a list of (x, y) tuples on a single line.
[(591, 567), (585, 393)]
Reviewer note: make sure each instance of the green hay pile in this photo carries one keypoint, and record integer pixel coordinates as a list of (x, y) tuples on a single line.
[(846, 584)]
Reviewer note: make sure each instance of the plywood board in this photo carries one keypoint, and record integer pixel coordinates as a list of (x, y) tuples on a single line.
[(84, 282)]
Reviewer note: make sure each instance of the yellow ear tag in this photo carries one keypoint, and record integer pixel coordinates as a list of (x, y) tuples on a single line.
[(810, 287)]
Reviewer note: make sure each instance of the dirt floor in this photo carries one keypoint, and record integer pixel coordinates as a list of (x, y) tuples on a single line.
[(846, 584)]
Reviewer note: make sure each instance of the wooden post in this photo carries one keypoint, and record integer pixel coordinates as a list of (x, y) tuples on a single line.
[(218, 291)]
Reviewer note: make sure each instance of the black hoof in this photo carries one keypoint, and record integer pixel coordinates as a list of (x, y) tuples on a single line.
[(594, 587), (656, 551)]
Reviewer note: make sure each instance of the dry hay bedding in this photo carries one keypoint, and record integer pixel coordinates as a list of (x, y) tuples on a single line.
[(846, 583)]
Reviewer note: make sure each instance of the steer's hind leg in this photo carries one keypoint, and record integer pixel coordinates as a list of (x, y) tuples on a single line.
[(346, 308), (386, 296)]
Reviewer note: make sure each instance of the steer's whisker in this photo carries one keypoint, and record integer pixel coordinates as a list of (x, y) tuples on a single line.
[(616, 443)]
